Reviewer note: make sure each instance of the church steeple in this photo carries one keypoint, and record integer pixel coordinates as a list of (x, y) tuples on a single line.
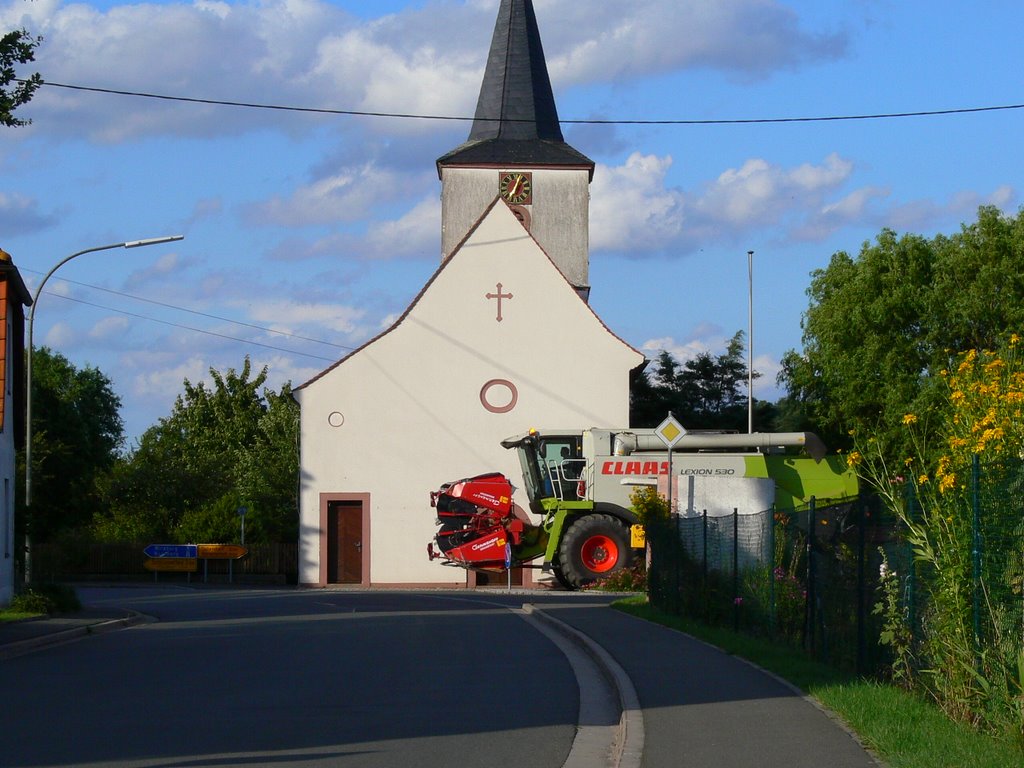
[(516, 121), (516, 151), (516, 88)]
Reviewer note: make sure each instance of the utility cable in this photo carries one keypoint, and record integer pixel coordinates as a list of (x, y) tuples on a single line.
[(195, 312), (194, 330), (409, 116)]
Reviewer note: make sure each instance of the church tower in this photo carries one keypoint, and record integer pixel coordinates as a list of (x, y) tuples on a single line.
[(516, 151)]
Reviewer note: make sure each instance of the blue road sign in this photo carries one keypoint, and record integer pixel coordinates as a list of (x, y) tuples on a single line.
[(171, 550)]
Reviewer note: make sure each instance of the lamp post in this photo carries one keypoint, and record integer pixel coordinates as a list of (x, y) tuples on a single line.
[(750, 343), (28, 366)]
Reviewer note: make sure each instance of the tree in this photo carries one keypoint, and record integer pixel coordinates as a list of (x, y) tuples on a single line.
[(76, 434), (221, 448), (881, 326), (17, 47), (707, 392)]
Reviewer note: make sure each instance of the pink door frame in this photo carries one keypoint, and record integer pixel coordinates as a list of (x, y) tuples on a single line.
[(364, 500)]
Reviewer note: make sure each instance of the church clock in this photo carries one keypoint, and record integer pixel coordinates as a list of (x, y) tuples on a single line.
[(516, 187)]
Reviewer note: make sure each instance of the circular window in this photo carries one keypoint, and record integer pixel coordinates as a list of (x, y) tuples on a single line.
[(499, 396), (335, 419)]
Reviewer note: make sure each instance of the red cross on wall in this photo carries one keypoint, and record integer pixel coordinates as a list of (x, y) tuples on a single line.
[(499, 296)]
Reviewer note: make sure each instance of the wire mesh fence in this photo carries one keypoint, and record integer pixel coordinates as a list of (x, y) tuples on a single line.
[(836, 580), (803, 578)]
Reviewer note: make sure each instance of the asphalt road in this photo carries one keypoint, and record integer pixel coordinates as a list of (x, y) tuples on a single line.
[(287, 678)]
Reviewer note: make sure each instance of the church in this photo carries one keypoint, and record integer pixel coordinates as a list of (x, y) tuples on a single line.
[(499, 340)]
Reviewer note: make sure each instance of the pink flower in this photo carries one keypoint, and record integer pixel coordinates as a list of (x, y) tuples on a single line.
[(737, 601)]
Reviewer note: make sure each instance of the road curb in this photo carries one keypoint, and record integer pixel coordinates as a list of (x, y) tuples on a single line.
[(629, 744), (21, 647)]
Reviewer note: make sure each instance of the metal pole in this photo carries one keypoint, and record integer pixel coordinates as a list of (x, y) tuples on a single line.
[(750, 342), (976, 555), (736, 598), (28, 372)]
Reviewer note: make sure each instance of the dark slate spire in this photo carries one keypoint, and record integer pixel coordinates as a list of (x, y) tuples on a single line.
[(516, 86), (516, 121)]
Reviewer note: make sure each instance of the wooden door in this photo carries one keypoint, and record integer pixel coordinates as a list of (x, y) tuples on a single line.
[(345, 542)]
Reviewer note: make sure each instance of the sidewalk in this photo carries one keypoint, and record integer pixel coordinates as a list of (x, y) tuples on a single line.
[(701, 706), (18, 637)]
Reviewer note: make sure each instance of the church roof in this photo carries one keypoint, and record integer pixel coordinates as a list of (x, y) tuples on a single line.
[(516, 122)]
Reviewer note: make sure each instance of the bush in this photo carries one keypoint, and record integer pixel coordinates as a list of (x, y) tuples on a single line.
[(46, 598), (626, 580)]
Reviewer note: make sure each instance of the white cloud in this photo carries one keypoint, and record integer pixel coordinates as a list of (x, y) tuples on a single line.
[(61, 335), (635, 212), (413, 235), (631, 209), (109, 327), (163, 384), (312, 53), (290, 316), (20, 215), (925, 214), (350, 195), (760, 193), (682, 351), (620, 42)]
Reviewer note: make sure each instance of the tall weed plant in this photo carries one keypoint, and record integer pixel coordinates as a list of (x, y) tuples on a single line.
[(969, 654)]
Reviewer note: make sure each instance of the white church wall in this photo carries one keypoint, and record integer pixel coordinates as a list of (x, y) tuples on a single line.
[(411, 400)]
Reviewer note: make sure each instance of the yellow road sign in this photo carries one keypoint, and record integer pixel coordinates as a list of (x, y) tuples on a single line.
[(221, 551)]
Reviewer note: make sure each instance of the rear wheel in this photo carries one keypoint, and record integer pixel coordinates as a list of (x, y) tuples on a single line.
[(593, 547)]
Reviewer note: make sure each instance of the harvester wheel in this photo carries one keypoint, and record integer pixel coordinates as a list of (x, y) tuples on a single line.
[(593, 547), (556, 568)]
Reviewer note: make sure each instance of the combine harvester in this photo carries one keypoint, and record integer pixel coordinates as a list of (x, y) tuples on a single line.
[(579, 484)]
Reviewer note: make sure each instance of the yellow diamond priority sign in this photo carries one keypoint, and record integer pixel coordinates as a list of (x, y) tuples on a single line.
[(670, 431)]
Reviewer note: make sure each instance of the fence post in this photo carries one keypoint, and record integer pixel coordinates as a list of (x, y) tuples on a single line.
[(771, 571), (912, 505), (861, 586), (704, 566), (809, 596), (736, 569), (976, 554)]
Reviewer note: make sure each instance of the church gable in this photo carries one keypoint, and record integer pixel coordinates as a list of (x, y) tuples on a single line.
[(498, 298)]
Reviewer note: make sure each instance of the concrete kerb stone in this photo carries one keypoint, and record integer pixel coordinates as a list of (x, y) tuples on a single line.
[(629, 746), (21, 647)]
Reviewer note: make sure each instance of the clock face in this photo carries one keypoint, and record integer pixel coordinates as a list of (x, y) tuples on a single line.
[(516, 187)]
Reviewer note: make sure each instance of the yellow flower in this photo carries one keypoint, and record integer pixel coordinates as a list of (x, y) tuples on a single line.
[(854, 459), (909, 419), (1014, 339), (922, 479)]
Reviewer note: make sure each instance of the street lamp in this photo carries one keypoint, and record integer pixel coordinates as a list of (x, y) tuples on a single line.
[(28, 365), (750, 342)]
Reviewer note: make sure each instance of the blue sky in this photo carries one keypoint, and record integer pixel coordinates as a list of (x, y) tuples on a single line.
[(307, 234)]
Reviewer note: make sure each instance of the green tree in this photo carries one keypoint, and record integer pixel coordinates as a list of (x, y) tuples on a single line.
[(881, 325), (230, 445), (16, 47), (706, 392), (76, 434)]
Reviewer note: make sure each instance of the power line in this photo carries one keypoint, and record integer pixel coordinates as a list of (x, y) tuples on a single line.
[(195, 312), (189, 328), (410, 116)]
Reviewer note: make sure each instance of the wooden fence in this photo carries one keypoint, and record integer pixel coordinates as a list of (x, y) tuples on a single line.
[(276, 563)]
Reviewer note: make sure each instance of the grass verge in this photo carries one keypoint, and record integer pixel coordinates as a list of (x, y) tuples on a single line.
[(8, 614), (904, 730)]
